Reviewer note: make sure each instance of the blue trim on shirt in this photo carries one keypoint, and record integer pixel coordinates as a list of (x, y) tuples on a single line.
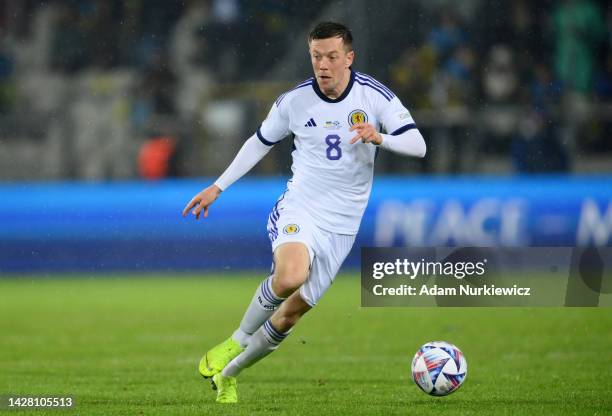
[(376, 82), (387, 92), (317, 90), (367, 84), (263, 140), (403, 129)]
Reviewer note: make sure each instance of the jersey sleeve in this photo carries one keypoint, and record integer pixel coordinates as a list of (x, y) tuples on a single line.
[(394, 117), (275, 127)]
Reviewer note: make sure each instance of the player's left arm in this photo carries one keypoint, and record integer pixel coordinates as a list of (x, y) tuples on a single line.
[(404, 138)]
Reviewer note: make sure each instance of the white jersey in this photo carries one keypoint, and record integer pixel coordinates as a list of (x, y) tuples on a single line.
[(332, 178)]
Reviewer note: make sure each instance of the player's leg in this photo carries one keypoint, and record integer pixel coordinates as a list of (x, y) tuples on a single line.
[(292, 263), (291, 237), (292, 260), (268, 337), (291, 267), (265, 340), (334, 249)]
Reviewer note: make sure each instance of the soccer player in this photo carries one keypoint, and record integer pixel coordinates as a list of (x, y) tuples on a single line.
[(336, 118)]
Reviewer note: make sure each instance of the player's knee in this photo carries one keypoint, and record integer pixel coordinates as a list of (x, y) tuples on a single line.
[(289, 276), (285, 284)]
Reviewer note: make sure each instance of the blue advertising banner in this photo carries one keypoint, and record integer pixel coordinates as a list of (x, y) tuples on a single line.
[(138, 225)]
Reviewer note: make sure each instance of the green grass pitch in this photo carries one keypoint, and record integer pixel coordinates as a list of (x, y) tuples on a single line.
[(130, 345)]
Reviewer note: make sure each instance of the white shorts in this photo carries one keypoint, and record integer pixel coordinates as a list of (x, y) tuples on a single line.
[(327, 250)]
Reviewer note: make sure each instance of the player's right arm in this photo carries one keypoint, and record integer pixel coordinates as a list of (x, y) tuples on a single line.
[(274, 128)]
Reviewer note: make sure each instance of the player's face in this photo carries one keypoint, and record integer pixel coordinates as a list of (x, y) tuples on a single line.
[(330, 62)]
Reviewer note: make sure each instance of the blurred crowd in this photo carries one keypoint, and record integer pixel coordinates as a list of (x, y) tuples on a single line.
[(114, 89), (535, 78)]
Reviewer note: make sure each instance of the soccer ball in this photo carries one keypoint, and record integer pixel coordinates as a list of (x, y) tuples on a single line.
[(439, 368)]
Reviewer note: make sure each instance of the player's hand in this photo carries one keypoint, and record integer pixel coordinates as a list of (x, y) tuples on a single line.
[(202, 201), (366, 133)]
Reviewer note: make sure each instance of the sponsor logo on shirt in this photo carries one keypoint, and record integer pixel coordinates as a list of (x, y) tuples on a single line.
[(310, 123)]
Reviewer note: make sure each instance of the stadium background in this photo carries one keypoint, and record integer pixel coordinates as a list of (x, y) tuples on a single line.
[(97, 93), (114, 113)]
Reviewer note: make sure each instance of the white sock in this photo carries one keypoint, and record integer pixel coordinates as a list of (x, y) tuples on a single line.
[(262, 306), (265, 340)]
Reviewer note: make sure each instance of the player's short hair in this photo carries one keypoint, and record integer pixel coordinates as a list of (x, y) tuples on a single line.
[(326, 30)]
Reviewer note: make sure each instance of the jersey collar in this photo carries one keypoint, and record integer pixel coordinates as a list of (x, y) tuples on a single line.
[(347, 90)]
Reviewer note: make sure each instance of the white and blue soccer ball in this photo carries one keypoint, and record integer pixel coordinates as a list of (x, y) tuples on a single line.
[(439, 368)]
